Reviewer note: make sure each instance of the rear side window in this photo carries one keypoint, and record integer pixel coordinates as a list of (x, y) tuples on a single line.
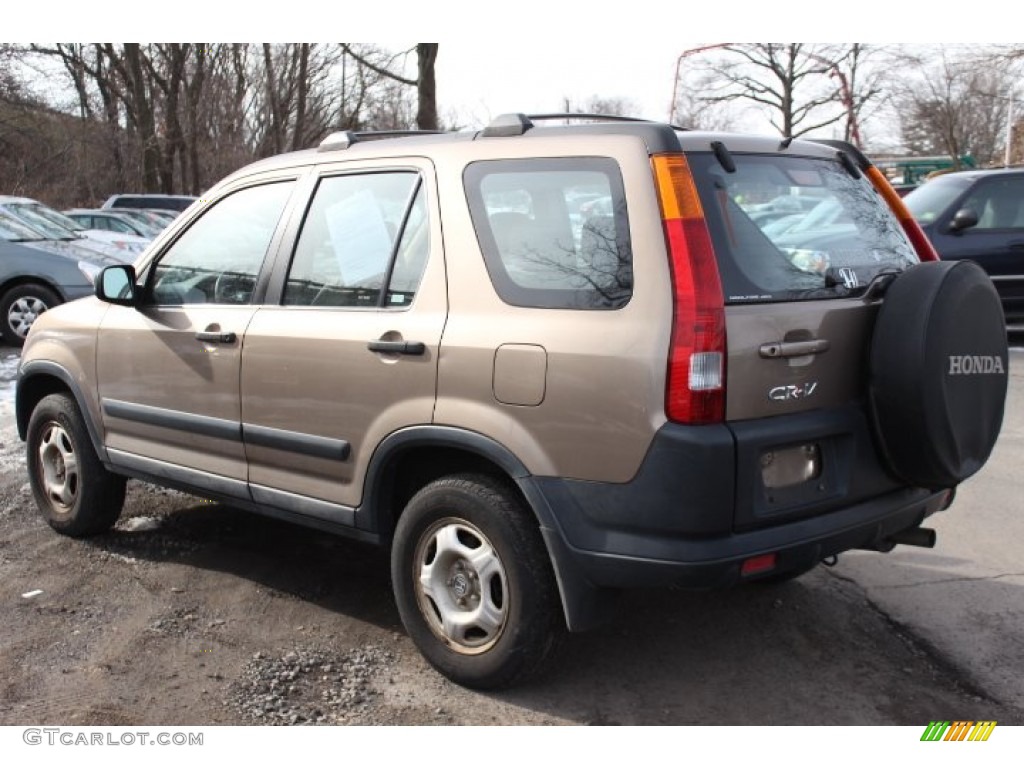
[(789, 228), (362, 232), (553, 231)]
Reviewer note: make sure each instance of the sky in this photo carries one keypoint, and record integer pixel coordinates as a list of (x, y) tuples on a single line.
[(518, 55)]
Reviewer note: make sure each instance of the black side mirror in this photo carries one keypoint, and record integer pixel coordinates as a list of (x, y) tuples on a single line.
[(116, 285), (965, 218)]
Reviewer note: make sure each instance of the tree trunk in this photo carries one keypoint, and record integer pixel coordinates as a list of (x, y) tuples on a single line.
[(426, 87), (144, 121), (302, 84)]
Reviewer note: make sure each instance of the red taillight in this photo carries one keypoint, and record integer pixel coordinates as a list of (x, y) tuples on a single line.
[(918, 239), (695, 390), (758, 564)]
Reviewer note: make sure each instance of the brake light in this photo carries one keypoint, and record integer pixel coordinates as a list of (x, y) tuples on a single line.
[(918, 239), (695, 387)]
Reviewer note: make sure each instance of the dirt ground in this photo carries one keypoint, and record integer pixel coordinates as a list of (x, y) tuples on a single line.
[(191, 613)]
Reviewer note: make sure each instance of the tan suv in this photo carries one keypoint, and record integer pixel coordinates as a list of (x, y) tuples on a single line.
[(538, 363)]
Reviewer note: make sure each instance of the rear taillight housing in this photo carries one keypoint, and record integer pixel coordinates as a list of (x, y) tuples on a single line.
[(922, 245), (695, 387)]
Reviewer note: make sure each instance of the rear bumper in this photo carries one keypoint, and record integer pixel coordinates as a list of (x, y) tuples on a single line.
[(698, 507), (645, 561)]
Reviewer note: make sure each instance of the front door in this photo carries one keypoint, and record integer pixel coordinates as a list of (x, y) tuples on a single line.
[(168, 371)]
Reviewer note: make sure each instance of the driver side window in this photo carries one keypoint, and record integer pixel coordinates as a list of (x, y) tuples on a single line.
[(999, 204), (217, 259)]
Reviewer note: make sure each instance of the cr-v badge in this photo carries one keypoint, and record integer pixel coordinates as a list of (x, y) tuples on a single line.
[(792, 391)]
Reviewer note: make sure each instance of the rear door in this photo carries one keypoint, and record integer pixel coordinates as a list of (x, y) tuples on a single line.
[(345, 350)]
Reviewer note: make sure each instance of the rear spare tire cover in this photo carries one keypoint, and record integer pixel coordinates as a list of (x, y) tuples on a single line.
[(938, 372)]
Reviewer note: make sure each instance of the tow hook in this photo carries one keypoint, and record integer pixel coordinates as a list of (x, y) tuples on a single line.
[(831, 561)]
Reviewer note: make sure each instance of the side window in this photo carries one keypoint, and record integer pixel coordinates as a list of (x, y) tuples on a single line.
[(553, 232), (217, 259), (999, 204), (362, 232)]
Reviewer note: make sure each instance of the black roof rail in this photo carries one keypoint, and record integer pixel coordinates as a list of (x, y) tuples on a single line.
[(371, 135), (517, 123), (345, 139)]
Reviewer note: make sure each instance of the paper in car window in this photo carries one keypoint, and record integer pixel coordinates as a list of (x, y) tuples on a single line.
[(362, 244)]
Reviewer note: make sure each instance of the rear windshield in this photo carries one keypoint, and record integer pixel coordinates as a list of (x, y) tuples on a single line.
[(789, 228)]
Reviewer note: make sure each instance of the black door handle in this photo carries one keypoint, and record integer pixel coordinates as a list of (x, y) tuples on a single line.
[(217, 337), (397, 347), (794, 348)]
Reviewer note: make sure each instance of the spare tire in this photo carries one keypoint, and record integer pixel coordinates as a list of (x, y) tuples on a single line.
[(939, 370)]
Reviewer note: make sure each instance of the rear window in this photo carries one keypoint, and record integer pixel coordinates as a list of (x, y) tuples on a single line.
[(789, 228), (553, 231)]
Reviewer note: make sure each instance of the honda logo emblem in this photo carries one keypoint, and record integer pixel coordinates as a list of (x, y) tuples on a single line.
[(849, 277)]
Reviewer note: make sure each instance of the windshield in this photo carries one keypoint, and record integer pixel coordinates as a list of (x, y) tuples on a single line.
[(14, 230), (49, 229), (40, 211), (787, 228), (927, 202)]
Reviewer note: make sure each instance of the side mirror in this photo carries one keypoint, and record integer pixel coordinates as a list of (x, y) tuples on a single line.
[(116, 285), (965, 218)]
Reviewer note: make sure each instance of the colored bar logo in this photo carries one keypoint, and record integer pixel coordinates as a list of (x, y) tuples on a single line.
[(958, 730)]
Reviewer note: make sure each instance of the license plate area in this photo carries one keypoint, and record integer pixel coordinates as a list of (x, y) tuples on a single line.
[(786, 467), (820, 461)]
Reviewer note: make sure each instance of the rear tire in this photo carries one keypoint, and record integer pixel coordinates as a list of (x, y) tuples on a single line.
[(473, 582), (74, 491)]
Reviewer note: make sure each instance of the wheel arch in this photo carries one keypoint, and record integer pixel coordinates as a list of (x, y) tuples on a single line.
[(410, 458), (20, 280), (39, 378)]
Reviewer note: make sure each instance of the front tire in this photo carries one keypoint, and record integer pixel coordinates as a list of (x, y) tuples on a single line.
[(19, 308), (473, 582), (74, 491)]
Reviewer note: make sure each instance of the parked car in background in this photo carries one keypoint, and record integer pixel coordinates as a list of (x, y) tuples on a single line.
[(143, 216), (14, 229), (55, 224), (979, 215), (171, 202), (112, 221), (33, 279), (163, 215)]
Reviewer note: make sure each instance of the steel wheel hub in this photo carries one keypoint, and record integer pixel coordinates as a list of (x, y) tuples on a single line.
[(59, 464), (461, 586)]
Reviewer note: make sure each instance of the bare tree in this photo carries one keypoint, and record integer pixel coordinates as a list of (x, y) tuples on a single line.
[(425, 81), (789, 81), (953, 105)]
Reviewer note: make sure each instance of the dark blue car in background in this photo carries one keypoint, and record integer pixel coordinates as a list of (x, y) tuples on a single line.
[(979, 215)]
